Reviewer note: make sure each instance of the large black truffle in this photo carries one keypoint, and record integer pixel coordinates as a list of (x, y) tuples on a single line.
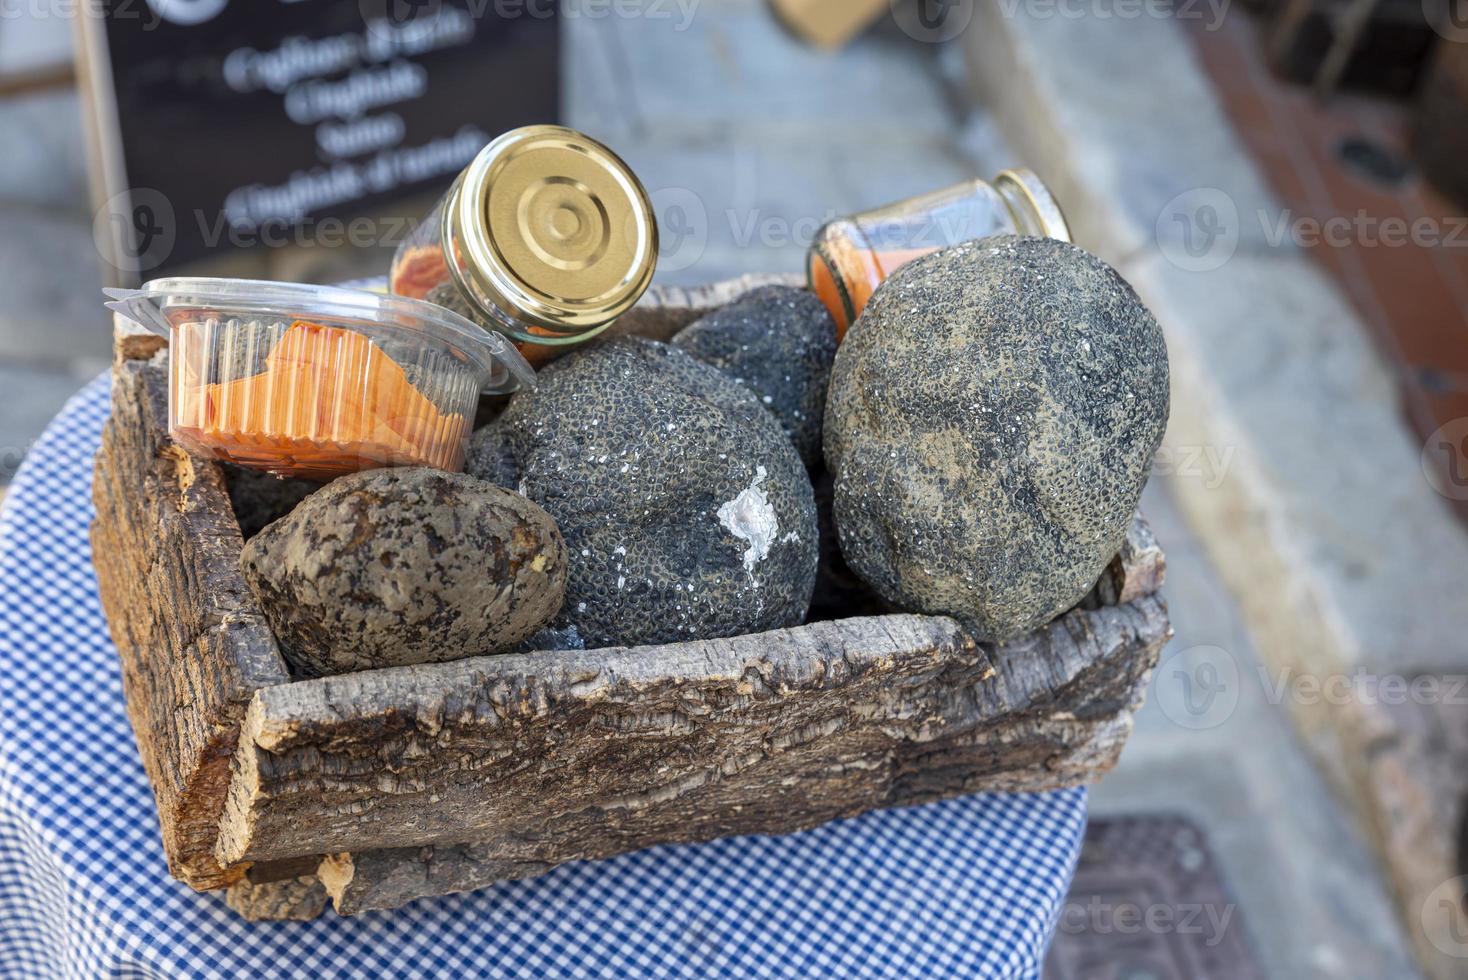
[(686, 511), (992, 417), (404, 566), (779, 342)]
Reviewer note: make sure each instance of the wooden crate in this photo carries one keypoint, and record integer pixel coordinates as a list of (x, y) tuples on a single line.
[(380, 787)]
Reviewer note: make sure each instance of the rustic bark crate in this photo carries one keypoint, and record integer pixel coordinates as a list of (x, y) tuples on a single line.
[(396, 784)]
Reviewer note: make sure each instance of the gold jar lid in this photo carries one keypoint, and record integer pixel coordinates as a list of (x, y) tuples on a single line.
[(554, 229)]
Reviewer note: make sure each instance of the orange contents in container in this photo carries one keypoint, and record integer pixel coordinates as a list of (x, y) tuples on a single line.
[(539, 355), (859, 271), (329, 401), (850, 257), (418, 270)]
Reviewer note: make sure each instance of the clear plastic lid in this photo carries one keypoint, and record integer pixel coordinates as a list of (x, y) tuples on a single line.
[(163, 304), (317, 381)]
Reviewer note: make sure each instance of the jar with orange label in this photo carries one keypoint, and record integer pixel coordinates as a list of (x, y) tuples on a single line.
[(546, 237), (851, 256)]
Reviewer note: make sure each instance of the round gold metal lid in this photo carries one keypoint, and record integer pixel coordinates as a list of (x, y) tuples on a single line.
[(557, 229)]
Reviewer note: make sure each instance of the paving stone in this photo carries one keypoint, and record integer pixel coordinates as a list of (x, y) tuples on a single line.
[(731, 68), (52, 309), (36, 33), (748, 141), (1274, 364), (45, 159), (1291, 854), (1414, 738), (41, 130), (1117, 116)]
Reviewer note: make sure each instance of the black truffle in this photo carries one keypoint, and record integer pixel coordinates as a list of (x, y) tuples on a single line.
[(992, 417), (778, 341), (686, 511), (404, 566)]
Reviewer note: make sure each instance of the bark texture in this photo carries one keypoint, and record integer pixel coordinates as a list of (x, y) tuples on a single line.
[(1081, 680), (1137, 570), (193, 643), (300, 898), (538, 759)]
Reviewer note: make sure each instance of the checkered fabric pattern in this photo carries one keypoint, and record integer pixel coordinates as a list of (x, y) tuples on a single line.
[(969, 887)]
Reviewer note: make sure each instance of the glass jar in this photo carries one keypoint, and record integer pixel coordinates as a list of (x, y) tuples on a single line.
[(546, 237), (851, 256)]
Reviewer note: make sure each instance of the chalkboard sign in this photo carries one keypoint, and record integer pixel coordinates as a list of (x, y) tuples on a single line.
[(224, 124)]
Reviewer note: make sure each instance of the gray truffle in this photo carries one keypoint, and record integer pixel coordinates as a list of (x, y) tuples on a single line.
[(992, 417), (686, 511), (779, 342), (403, 566)]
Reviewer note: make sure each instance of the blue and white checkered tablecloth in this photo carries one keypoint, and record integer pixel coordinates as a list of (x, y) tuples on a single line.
[(969, 887)]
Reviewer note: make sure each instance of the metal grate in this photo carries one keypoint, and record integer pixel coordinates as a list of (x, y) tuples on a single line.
[(1147, 903)]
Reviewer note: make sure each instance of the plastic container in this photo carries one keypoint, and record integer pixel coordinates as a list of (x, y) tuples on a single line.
[(851, 256), (317, 381), (546, 236)]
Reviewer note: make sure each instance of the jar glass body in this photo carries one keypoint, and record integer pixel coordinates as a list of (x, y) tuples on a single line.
[(851, 256), (432, 264)]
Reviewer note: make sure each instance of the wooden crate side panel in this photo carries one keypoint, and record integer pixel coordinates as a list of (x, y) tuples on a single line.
[(764, 733), (1064, 737), (450, 752), (389, 878), (192, 644)]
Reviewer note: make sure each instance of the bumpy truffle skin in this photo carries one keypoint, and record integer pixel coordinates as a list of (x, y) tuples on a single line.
[(686, 511), (779, 342), (403, 566), (990, 424)]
